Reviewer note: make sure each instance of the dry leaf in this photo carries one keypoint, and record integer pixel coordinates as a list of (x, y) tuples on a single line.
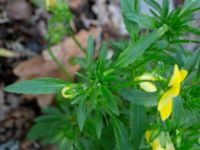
[(75, 4)]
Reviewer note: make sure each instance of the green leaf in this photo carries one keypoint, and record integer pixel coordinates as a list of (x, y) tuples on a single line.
[(192, 61), (37, 86), (154, 5), (119, 46), (139, 97), (137, 123), (176, 111), (110, 100), (98, 123), (189, 7), (165, 8), (143, 21), (48, 118), (90, 51), (130, 54), (51, 111), (162, 138), (130, 6), (39, 130), (121, 134), (81, 115), (103, 52), (132, 28), (195, 31), (198, 72)]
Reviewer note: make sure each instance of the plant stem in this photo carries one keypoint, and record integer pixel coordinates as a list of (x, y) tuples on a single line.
[(78, 44), (60, 66), (72, 35)]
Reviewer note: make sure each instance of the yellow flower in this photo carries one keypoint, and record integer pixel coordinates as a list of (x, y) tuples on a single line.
[(147, 85), (50, 3), (156, 145), (165, 103), (66, 92)]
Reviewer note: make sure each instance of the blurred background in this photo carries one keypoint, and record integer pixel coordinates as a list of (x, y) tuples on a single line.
[(23, 55)]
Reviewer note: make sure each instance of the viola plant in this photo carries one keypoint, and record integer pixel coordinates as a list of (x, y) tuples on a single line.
[(145, 97)]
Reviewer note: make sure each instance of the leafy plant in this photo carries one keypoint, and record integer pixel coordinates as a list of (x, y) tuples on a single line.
[(136, 97)]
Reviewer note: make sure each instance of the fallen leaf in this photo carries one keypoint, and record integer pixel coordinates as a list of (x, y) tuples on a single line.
[(75, 4)]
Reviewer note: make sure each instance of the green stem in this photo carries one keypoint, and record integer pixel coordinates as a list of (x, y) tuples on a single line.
[(78, 44), (60, 66), (76, 41)]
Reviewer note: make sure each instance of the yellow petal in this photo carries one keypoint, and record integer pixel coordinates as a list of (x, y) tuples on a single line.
[(183, 74), (165, 112), (176, 77), (167, 96), (148, 87), (148, 135)]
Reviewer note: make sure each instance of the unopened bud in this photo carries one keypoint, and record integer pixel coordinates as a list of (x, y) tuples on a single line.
[(68, 92)]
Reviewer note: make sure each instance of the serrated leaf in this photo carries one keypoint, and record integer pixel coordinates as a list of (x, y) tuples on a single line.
[(139, 97), (121, 135), (135, 50), (37, 86), (137, 124)]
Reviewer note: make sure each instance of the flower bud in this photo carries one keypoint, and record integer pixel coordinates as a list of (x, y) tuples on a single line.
[(69, 92), (147, 86)]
